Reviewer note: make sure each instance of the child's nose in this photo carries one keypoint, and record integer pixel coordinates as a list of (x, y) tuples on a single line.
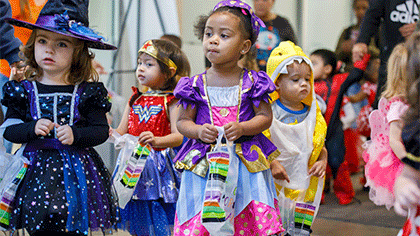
[(49, 48), (214, 40)]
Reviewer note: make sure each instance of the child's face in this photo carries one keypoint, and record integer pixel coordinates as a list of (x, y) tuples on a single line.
[(296, 85), (54, 52), (263, 7), (223, 41), (149, 73), (318, 67), (360, 8)]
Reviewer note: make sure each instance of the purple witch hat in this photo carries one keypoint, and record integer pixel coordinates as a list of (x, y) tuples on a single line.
[(255, 20), (66, 17)]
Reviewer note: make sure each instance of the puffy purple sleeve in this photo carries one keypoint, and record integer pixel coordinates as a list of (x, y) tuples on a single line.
[(261, 88), (185, 92)]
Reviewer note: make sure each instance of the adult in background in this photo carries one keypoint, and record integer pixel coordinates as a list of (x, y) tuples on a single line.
[(276, 30), (398, 19), (350, 34)]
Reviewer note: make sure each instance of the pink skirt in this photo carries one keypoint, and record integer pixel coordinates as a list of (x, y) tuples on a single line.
[(382, 169), (256, 219)]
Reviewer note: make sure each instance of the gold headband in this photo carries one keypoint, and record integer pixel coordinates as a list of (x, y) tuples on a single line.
[(150, 49)]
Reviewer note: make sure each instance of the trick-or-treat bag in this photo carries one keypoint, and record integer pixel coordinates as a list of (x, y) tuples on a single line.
[(220, 193), (297, 215), (12, 170), (130, 164)]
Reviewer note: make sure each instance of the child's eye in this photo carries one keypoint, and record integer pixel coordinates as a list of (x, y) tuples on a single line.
[(42, 41), (208, 34), (224, 35), (62, 45), (149, 64)]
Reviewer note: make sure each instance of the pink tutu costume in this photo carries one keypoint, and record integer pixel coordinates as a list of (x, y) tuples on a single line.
[(382, 165)]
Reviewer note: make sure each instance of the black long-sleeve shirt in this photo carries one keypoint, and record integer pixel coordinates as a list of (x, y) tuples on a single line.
[(89, 131)]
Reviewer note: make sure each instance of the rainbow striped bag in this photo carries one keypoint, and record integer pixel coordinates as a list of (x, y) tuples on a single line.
[(220, 193), (298, 215), (130, 164), (12, 171)]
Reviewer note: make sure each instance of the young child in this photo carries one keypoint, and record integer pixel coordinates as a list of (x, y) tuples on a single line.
[(368, 91), (237, 100), (151, 116), (327, 84), (298, 129), (59, 113), (385, 150), (406, 188)]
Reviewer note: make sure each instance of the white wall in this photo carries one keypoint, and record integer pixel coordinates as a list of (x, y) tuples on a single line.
[(323, 22)]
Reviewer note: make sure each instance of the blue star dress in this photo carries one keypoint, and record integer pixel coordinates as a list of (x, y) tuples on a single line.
[(66, 187)]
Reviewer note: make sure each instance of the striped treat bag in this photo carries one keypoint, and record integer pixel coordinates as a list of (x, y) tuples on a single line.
[(12, 171), (220, 193), (8, 192), (130, 164), (298, 215)]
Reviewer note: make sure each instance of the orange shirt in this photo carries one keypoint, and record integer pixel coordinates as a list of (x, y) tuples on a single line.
[(35, 7)]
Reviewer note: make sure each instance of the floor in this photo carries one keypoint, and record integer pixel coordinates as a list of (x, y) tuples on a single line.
[(359, 218)]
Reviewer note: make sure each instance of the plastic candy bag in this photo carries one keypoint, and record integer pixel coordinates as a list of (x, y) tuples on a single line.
[(130, 164), (219, 199)]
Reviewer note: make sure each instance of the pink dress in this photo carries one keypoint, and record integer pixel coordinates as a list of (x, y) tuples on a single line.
[(382, 165)]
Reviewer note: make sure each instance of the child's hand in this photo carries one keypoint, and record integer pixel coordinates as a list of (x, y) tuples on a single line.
[(17, 71), (406, 190), (233, 131), (207, 133), (64, 134), (43, 127), (147, 137), (278, 171), (318, 169)]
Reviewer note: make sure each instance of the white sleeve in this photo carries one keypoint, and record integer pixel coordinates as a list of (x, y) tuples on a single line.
[(349, 117)]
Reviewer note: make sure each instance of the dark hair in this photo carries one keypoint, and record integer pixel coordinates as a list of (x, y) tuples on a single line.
[(369, 68), (167, 49), (81, 66), (173, 38), (413, 78), (329, 58), (245, 23), (355, 2)]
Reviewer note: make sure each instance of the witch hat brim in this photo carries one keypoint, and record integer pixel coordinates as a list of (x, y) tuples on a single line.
[(69, 18)]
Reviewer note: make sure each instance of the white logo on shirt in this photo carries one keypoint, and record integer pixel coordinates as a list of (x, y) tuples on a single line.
[(406, 13), (146, 112)]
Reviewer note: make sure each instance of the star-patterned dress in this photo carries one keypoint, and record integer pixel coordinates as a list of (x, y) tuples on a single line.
[(151, 211), (66, 187)]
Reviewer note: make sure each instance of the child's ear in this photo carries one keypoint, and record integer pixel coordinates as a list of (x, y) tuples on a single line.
[(246, 47), (173, 71), (328, 69)]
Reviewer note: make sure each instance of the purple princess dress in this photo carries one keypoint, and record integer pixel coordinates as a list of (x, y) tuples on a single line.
[(255, 208)]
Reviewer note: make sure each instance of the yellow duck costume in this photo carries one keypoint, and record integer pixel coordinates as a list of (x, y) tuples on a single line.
[(300, 144)]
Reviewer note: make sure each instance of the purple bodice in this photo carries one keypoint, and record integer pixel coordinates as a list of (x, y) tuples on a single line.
[(257, 151)]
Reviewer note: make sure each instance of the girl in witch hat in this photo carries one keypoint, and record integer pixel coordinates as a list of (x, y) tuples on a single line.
[(58, 113)]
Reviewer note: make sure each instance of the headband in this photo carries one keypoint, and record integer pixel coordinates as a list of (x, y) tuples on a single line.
[(151, 50), (255, 20)]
